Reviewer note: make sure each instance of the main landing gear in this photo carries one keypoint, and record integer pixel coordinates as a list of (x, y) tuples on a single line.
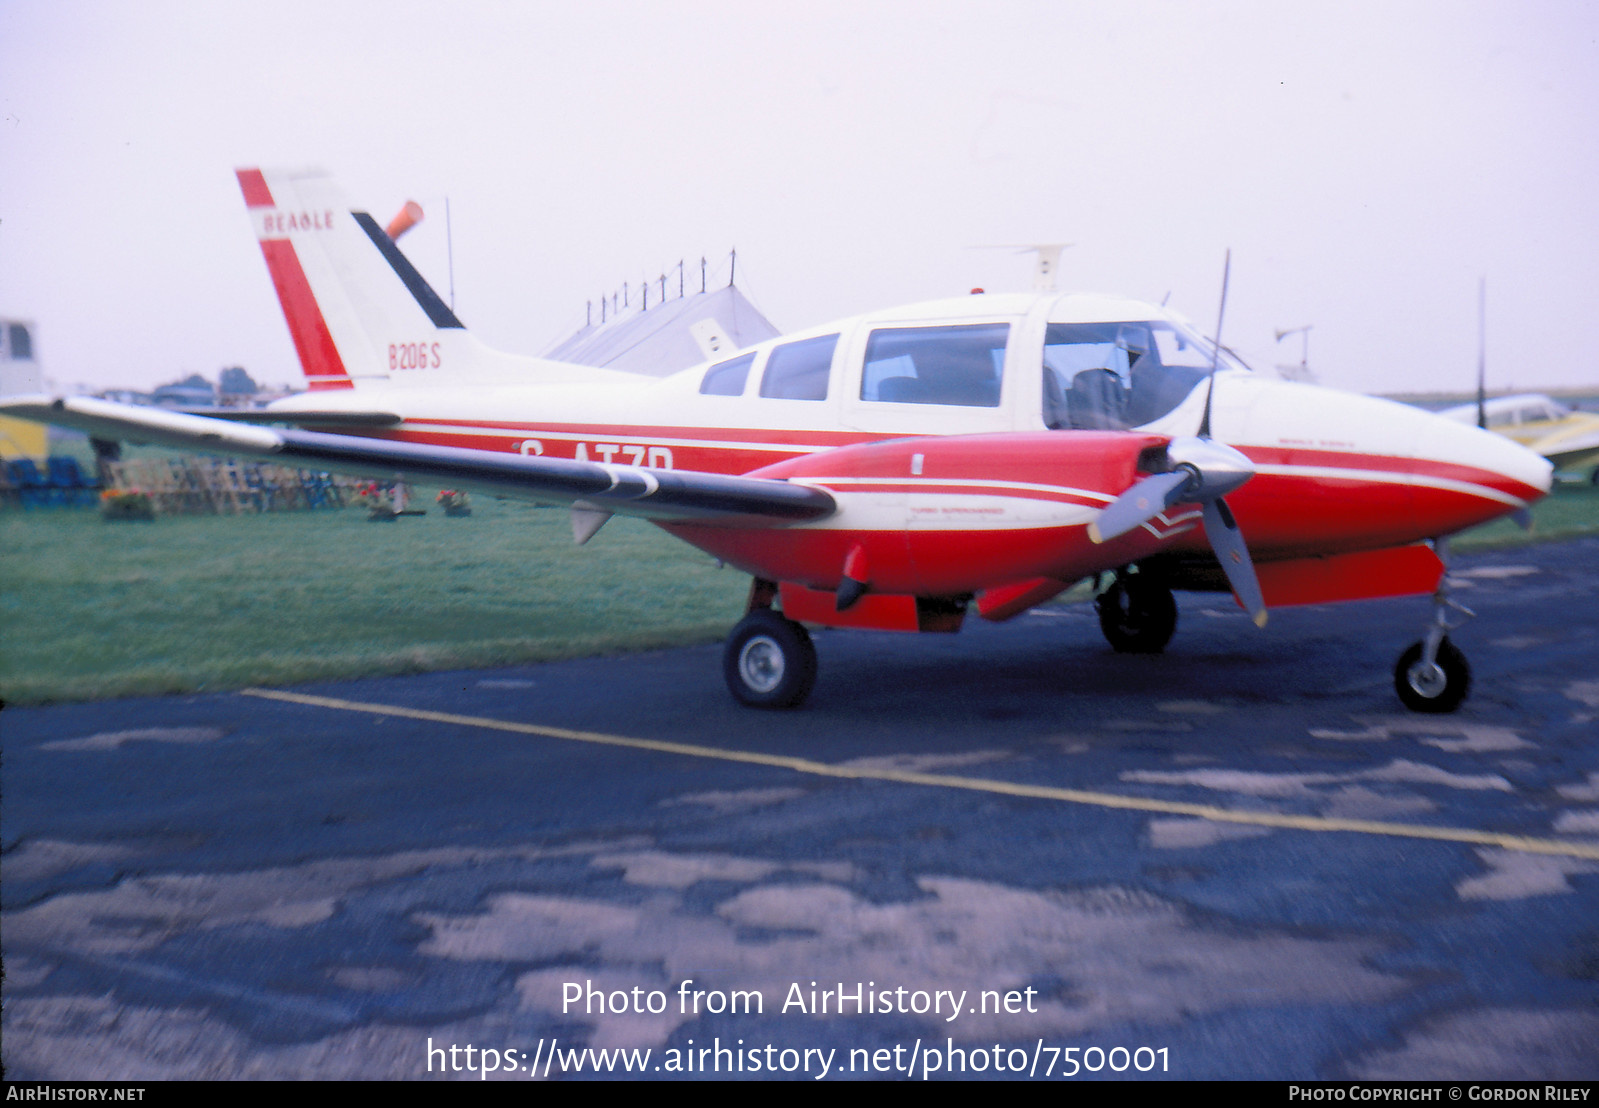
[(1432, 675), (769, 661), (1137, 614)]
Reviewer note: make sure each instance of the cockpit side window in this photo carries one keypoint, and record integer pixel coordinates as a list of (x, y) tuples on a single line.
[(1112, 376), (727, 378), (960, 365), (799, 370)]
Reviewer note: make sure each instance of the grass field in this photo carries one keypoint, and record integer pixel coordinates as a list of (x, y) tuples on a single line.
[(94, 609), (1571, 510), (91, 609)]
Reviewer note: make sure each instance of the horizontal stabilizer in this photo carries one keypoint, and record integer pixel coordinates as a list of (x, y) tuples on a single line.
[(103, 419)]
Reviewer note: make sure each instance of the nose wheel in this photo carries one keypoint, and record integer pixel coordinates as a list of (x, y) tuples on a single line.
[(769, 661)]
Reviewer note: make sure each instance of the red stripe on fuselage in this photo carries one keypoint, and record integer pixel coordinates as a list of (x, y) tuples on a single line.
[(256, 193), (1387, 463), (709, 458), (647, 432), (804, 441), (1282, 514), (319, 357)]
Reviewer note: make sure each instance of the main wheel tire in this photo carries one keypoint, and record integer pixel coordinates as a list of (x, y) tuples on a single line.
[(1137, 618), (769, 661), (1440, 687)]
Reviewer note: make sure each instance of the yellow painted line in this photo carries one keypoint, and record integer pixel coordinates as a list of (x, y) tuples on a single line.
[(1523, 843)]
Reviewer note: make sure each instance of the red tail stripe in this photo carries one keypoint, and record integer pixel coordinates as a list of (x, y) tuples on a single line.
[(319, 358), (256, 193)]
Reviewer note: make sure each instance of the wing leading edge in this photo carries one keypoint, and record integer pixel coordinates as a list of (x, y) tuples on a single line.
[(307, 419), (590, 486)]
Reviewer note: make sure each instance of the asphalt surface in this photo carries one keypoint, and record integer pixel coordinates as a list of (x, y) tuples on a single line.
[(1241, 859)]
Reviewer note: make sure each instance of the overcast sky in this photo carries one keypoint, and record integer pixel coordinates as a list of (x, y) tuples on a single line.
[(1365, 162)]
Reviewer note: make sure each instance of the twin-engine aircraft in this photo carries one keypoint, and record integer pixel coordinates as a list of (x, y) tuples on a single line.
[(893, 471)]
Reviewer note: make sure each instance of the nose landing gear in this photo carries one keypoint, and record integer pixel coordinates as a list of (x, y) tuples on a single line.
[(1439, 685), (1433, 675)]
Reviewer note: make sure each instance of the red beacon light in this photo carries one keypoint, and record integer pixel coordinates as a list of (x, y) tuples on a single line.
[(408, 217)]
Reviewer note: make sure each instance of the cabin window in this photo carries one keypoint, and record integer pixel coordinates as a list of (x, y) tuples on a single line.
[(727, 378), (799, 370), (960, 365), (1111, 376)]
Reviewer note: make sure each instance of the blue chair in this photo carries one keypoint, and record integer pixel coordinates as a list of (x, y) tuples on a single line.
[(71, 485), (33, 491)]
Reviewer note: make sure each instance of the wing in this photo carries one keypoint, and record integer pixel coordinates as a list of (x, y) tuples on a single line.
[(306, 418), (589, 486)]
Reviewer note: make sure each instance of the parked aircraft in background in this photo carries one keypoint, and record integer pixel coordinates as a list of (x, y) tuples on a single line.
[(1567, 437), (894, 471)]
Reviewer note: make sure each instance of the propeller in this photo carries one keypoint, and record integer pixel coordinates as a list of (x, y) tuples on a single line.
[(1200, 471)]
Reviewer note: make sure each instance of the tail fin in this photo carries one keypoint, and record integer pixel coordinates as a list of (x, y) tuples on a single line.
[(356, 307)]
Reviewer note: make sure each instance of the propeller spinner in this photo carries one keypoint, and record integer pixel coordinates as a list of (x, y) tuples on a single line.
[(1202, 471)]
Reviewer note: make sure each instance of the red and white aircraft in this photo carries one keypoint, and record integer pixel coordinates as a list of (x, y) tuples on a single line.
[(891, 471)]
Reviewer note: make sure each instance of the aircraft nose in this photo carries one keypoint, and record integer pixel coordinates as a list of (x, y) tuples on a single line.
[(1387, 473), (1520, 472), (1499, 475)]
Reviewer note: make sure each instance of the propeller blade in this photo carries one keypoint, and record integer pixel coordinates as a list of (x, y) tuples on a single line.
[(1141, 503), (1228, 543), (1215, 362)]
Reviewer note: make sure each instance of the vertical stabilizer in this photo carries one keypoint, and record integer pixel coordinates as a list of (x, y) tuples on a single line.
[(356, 307)]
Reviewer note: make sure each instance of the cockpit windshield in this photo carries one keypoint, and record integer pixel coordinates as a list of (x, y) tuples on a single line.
[(1112, 376)]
